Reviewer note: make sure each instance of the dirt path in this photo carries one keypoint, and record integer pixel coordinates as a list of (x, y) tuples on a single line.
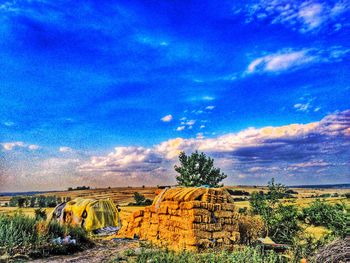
[(104, 251)]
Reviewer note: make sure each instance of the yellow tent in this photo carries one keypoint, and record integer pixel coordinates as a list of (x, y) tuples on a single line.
[(91, 214)]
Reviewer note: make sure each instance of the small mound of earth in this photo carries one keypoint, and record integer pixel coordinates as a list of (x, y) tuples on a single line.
[(338, 251)]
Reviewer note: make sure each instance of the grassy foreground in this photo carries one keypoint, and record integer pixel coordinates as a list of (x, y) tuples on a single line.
[(246, 254), (23, 235)]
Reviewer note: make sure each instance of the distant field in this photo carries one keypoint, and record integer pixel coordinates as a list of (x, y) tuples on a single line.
[(124, 195), (301, 202), (120, 195)]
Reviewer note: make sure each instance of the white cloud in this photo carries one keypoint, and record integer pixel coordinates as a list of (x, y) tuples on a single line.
[(167, 118), (302, 107), (208, 98), (288, 59), (200, 135), (311, 15), (33, 147), (190, 122), (305, 16), (319, 163), (65, 149), (209, 107), (202, 127), (9, 6), (151, 41), (8, 146), (287, 142), (306, 104), (125, 159), (290, 151), (280, 61), (180, 128), (9, 123), (197, 112)]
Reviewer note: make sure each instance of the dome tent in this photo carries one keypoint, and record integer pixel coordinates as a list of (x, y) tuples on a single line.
[(91, 214)]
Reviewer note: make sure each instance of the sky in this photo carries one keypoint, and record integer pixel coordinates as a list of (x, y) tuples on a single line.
[(108, 93)]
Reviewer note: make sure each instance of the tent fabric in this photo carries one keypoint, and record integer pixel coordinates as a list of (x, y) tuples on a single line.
[(91, 214)]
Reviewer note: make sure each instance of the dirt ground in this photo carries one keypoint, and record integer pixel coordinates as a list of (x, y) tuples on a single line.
[(104, 251)]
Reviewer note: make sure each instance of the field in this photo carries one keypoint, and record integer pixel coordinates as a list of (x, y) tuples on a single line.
[(120, 195), (124, 195)]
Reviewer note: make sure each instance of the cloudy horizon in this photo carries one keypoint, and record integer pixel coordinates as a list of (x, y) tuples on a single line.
[(108, 94)]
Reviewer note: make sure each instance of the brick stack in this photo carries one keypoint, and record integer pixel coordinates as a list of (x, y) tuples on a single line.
[(187, 218)]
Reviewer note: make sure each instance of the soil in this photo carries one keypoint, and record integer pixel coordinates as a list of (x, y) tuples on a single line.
[(103, 251)]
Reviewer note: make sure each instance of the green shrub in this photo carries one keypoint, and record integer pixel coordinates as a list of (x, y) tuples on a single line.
[(40, 214), (247, 254), (78, 233), (54, 230), (35, 201), (283, 224), (20, 234), (17, 230), (280, 220), (139, 198), (321, 213), (237, 192)]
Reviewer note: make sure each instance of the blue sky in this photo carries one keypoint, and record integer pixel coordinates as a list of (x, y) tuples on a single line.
[(107, 93)]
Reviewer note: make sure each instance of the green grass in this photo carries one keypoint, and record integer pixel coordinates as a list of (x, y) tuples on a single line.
[(244, 255), (20, 234)]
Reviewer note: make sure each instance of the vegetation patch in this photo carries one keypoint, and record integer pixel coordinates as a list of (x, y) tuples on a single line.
[(140, 200), (22, 235), (243, 255), (321, 213)]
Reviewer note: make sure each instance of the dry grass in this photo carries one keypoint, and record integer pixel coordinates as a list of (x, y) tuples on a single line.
[(317, 231), (24, 211)]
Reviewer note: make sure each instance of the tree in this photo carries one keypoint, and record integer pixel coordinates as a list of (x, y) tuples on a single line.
[(21, 202), (139, 198), (281, 220), (198, 169)]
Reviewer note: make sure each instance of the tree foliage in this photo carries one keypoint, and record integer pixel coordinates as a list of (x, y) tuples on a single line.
[(198, 169), (280, 220), (139, 198), (35, 201)]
